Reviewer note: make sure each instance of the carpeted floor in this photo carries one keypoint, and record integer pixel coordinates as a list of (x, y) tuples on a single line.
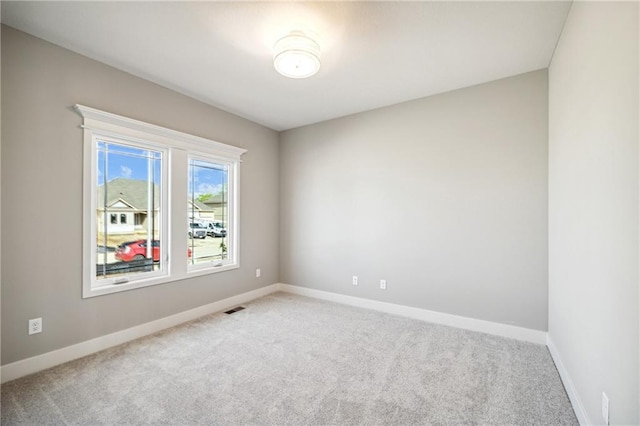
[(292, 360)]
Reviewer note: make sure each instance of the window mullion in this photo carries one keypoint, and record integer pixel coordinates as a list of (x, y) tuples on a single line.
[(178, 196)]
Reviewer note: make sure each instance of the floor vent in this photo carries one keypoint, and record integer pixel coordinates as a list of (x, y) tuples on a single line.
[(234, 310)]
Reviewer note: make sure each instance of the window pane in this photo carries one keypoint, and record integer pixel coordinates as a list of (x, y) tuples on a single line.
[(208, 211), (128, 210)]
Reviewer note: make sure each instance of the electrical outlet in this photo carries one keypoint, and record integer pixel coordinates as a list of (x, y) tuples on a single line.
[(605, 408), (383, 284), (35, 326), (258, 273), (355, 280)]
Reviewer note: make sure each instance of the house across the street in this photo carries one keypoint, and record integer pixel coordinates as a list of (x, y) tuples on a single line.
[(125, 209)]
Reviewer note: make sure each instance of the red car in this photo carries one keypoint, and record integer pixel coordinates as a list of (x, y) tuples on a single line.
[(137, 250)]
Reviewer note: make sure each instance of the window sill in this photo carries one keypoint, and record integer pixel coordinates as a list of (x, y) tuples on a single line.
[(206, 270), (117, 288)]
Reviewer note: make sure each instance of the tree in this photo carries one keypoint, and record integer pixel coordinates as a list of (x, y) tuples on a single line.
[(223, 250), (204, 197)]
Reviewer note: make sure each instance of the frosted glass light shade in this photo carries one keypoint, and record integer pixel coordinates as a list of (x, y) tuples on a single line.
[(296, 56)]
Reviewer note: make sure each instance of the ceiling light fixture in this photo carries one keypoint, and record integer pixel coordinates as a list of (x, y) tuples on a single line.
[(296, 55)]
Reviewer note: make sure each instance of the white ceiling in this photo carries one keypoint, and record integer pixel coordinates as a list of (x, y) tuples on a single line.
[(373, 53)]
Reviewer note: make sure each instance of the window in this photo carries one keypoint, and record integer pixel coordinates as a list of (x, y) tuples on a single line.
[(129, 175), (136, 230), (208, 189)]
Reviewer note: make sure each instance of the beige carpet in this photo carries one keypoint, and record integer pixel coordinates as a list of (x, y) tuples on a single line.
[(292, 360)]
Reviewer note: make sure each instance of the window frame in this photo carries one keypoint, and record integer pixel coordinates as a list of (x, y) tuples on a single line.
[(232, 203), (179, 148), (114, 284)]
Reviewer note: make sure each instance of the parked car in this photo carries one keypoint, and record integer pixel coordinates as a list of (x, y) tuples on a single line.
[(197, 230), (137, 250), (215, 229)]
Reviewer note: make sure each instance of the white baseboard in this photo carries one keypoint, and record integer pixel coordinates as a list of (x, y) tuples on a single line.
[(47, 360), (576, 402), (497, 329)]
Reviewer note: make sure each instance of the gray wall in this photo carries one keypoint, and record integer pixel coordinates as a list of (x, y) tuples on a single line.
[(42, 197), (0, 190), (444, 197), (593, 206)]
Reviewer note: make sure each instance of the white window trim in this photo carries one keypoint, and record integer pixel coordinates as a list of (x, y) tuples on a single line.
[(112, 285), (232, 221), (178, 147)]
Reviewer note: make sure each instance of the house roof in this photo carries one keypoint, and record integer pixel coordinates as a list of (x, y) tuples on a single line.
[(134, 193), (201, 206), (130, 191), (216, 199)]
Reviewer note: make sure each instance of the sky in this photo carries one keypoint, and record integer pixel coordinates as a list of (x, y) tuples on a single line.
[(133, 163)]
